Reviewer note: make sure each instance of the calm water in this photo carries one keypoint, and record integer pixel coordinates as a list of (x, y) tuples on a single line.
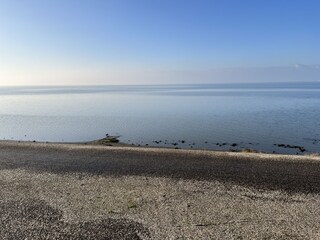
[(254, 116)]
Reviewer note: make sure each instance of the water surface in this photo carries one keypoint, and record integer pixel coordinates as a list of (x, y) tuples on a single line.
[(253, 116)]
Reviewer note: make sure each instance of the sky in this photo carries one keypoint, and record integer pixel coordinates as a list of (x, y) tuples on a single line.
[(95, 42)]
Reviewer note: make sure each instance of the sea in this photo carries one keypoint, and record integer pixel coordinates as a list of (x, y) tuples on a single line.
[(264, 117)]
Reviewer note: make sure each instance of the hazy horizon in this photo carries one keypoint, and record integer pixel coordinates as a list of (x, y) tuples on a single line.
[(157, 42)]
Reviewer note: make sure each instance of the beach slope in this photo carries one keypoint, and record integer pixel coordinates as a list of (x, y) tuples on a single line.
[(77, 191)]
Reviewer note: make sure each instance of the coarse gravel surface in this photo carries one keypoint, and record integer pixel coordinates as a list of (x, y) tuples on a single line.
[(76, 191)]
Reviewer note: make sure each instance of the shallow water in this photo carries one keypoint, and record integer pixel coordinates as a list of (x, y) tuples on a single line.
[(253, 116)]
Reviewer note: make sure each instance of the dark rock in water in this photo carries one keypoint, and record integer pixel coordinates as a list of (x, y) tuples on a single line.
[(302, 149), (281, 145), (206, 142), (234, 145), (174, 144), (183, 141)]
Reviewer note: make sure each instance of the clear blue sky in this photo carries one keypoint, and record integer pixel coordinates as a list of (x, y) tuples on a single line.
[(47, 42)]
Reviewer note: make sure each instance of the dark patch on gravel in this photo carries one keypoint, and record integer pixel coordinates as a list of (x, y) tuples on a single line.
[(35, 219)]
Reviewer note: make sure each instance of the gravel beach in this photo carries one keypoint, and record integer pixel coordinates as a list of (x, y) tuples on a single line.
[(77, 191)]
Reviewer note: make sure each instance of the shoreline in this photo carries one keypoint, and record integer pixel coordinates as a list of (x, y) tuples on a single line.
[(125, 192), (260, 170), (96, 143)]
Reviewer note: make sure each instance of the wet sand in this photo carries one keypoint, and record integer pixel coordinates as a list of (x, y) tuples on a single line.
[(76, 191)]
